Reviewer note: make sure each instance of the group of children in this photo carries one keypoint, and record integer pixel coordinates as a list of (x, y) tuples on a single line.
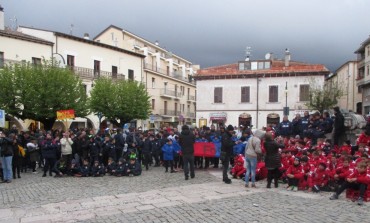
[(122, 168), (324, 167)]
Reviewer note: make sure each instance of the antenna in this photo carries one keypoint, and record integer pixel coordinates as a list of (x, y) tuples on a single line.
[(268, 56), (14, 23), (248, 53), (71, 30)]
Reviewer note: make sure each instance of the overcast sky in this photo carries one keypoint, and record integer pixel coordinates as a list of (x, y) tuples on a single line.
[(214, 32)]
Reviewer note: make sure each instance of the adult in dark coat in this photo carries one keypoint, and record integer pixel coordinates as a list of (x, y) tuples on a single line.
[(339, 129), (227, 145), (272, 159), (49, 153), (186, 141)]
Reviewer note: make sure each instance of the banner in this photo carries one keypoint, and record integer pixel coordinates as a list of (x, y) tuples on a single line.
[(65, 114), (206, 149), (2, 118)]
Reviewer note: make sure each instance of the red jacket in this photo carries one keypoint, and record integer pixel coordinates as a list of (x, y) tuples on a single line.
[(362, 178), (343, 171), (287, 161), (363, 138), (297, 171), (319, 177), (348, 149), (308, 168)]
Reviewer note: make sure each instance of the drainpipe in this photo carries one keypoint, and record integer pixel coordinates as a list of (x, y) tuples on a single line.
[(258, 82)]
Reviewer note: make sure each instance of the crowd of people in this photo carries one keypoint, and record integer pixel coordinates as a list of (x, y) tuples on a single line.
[(310, 153)]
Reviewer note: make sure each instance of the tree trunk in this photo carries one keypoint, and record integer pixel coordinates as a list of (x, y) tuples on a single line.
[(48, 123)]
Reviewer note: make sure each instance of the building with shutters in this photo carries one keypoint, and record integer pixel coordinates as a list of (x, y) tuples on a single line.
[(255, 92), (168, 78)]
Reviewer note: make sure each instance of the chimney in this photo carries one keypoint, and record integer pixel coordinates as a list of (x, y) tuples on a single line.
[(86, 36), (2, 21), (287, 57)]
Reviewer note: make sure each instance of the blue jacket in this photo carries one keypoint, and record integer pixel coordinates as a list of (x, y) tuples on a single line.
[(285, 128), (168, 151)]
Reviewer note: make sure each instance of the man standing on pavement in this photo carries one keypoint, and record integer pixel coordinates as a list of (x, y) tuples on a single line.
[(339, 129), (186, 141), (226, 152)]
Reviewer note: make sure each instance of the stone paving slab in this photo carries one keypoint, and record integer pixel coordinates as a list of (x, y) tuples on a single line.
[(203, 200)]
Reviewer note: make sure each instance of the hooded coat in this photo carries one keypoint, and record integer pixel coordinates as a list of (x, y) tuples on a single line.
[(186, 141)]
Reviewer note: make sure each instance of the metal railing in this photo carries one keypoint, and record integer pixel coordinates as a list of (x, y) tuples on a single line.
[(174, 74), (169, 112), (190, 114), (171, 93), (88, 73), (191, 98)]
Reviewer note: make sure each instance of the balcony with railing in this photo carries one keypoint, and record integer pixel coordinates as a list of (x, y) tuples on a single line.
[(166, 112), (170, 93), (190, 114), (87, 73), (191, 98), (360, 63), (176, 74)]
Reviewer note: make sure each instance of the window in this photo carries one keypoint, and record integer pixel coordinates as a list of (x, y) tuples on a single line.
[(153, 104), (304, 92), (114, 72), (245, 96), (273, 93), (70, 60), (153, 82), (218, 95), (359, 89), (188, 108), (168, 70), (175, 108), (130, 74), (1, 59), (96, 67), (36, 61), (165, 108), (367, 70), (183, 108)]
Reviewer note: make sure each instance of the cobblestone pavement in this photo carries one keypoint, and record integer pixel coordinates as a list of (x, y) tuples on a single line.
[(164, 197)]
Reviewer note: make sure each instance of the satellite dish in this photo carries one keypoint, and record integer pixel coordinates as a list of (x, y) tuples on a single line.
[(267, 56)]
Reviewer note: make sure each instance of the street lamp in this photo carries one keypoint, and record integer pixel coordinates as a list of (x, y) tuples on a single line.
[(286, 108), (99, 116)]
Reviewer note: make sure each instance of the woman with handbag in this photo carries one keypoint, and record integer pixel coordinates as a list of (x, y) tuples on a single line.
[(252, 150)]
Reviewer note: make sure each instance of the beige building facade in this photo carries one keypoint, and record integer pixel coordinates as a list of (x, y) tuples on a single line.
[(90, 60), (16, 47), (363, 74), (168, 79), (345, 77)]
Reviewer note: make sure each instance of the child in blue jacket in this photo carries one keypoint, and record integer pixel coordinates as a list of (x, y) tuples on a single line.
[(168, 151)]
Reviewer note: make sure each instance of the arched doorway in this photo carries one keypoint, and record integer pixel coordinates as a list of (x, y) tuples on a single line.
[(273, 119), (359, 108), (245, 119)]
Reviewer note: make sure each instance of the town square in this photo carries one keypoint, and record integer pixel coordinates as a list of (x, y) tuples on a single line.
[(209, 111)]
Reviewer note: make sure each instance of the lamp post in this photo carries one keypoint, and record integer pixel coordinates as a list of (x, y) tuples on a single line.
[(62, 59), (99, 116), (286, 108)]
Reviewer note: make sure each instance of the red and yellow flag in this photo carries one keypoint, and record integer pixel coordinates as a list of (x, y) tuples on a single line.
[(65, 114)]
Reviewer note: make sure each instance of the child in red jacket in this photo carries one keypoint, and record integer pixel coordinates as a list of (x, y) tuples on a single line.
[(238, 171), (294, 174), (358, 180), (343, 171), (318, 179)]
